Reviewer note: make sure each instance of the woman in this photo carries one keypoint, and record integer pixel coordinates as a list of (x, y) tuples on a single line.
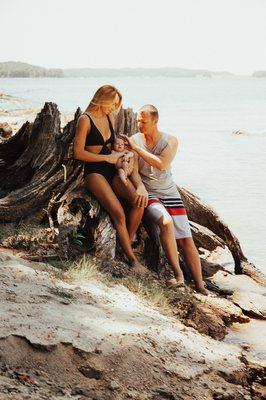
[(93, 141)]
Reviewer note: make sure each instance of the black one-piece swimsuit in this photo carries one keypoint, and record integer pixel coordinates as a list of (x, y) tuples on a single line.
[(95, 139)]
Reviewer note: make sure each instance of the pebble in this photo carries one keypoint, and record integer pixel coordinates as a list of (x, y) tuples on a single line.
[(113, 385)]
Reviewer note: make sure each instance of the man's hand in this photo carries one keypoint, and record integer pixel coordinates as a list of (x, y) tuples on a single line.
[(142, 196), (129, 142)]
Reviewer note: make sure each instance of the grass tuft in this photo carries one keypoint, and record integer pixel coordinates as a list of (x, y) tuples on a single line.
[(82, 270), (151, 291)]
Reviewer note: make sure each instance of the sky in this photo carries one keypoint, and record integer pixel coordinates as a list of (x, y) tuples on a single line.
[(219, 35)]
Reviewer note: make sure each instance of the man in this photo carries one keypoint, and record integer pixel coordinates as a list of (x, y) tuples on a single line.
[(156, 150)]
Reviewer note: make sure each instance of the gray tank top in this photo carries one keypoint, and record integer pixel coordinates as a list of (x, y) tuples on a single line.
[(158, 183)]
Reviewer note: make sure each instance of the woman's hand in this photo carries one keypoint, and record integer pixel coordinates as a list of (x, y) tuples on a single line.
[(142, 196), (114, 157)]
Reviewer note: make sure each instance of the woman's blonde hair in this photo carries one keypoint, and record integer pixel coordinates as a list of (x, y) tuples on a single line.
[(103, 96)]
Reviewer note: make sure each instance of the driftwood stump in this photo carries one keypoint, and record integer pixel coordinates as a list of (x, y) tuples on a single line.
[(38, 172)]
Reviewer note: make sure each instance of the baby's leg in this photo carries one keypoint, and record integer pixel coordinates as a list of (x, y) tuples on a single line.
[(122, 175)]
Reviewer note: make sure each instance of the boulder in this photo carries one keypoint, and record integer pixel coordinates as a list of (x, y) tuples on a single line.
[(5, 130)]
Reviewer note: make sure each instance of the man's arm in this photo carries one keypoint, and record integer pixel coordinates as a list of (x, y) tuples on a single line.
[(161, 161)]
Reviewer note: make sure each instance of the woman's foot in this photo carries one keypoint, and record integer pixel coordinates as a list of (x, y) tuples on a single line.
[(176, 282)]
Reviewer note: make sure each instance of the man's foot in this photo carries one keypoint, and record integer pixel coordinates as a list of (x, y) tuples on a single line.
[(202, 290)]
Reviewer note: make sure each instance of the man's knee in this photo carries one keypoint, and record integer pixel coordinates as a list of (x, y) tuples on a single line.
[(165, 223)]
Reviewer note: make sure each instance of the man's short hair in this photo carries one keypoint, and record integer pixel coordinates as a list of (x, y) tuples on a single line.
[(152, 110)]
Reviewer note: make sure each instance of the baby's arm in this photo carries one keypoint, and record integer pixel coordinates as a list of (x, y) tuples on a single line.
[(128, 155), (129, 163)]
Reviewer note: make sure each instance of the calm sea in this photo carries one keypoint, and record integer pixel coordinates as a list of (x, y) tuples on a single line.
[(227, 171)]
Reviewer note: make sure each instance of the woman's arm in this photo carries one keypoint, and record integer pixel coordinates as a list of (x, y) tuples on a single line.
[(82, 130)]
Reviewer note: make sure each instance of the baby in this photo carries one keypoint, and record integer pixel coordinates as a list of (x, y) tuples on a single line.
[(124, 164)]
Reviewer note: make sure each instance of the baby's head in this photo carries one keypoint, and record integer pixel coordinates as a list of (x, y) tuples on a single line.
[(119, 145)]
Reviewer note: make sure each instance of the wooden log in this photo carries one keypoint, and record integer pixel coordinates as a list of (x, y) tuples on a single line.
[(204, 215), (204, 238), (77, 210), (37, 165), (30, 177), (126, 122)]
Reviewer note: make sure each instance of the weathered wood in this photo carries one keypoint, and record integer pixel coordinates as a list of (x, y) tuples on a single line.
[(37, 165), (204, 238), (204, 215), (79, 209), (126, 122), (31, 176)]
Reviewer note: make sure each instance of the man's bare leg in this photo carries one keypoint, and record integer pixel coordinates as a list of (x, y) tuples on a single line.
[(193, 262), (169, 245)]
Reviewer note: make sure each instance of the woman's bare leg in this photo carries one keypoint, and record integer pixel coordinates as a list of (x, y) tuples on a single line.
[(128, 192), (101, 189)]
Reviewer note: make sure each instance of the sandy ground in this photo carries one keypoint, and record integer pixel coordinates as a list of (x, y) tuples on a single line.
[(59, 339), (17, 117), (92, 341)]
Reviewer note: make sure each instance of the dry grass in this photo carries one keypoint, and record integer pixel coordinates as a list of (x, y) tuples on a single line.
[(81, 270), (151, 291)]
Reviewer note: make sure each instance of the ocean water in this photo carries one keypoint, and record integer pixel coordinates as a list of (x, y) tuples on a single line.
[(226, 171)]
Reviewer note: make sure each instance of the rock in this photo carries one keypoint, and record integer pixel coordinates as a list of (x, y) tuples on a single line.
[(253, 304), (9, 389), (166, 394), (241, 132), (91, 372), (113, 385), (5, 130), (43, 347), (259, 391), (84, 392), (247, 294)]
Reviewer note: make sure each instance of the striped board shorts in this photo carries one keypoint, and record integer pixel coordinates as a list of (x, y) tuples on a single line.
[(169, 208)]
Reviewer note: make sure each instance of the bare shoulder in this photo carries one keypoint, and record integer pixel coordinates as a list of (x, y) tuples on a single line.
[(172, 140), (84, 121), (83, 126)]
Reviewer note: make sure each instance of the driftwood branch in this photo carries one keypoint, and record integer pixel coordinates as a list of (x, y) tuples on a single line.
[(37, 167)]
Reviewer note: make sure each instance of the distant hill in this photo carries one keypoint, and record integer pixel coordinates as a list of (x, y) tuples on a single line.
[(152, 72), (259, 74), (14, 69)]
